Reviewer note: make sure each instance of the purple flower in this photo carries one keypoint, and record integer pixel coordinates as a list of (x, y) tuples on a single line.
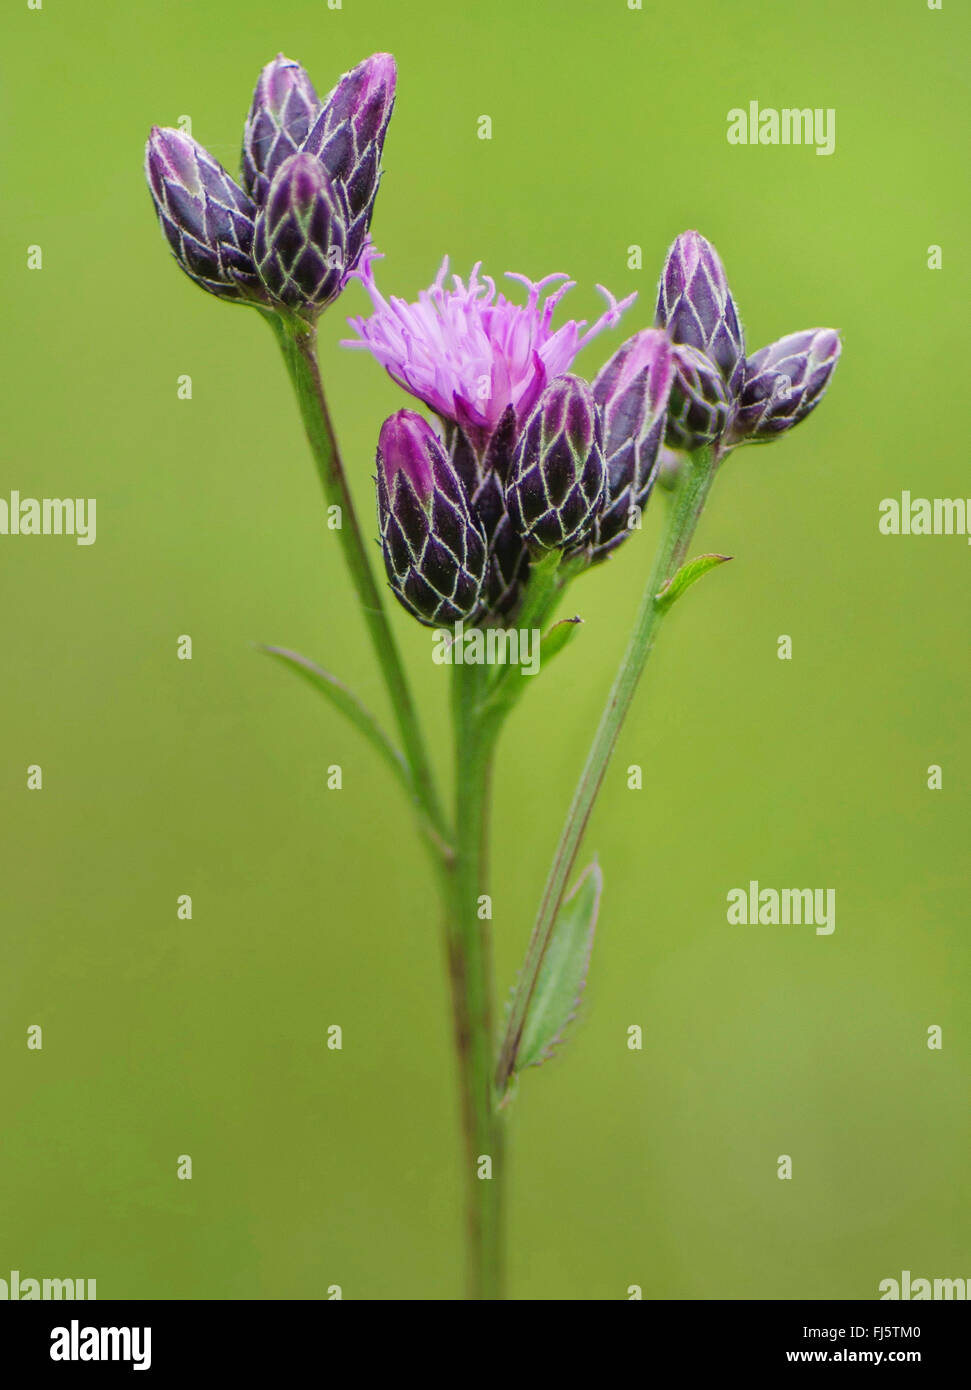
[(470, 353), (434, 548), (784, 382)]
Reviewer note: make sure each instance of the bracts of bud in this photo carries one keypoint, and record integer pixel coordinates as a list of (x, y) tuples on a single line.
[(207, 219), (696, 308), (699, 408), (434, 548), (631, 391), (484, 474), (558, 476), (300, 240), (310, 170), (347, 138), (285, 105), (783, 383)]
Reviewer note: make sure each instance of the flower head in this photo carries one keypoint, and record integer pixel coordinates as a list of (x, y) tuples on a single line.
[(784, 382), (696, 307), (699, 409), (632, 391), (291, 235), (348, 136), (285, 104), (434, 548), (469, 352), (300, 242), (206, 217)]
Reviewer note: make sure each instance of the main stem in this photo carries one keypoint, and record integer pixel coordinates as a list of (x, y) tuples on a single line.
[(470, 962), (462, 861), (687, 503), (298, 343)]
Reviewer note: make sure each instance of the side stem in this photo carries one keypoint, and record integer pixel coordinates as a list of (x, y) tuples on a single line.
[(298, 343), (687, 503)]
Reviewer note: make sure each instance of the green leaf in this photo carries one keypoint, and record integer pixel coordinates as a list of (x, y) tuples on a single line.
[(689, 572), (563, 974), (558, 636), (344, 699)]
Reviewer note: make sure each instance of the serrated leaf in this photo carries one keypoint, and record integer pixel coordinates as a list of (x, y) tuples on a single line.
[(349, 705), (563, 974), (687, 575)]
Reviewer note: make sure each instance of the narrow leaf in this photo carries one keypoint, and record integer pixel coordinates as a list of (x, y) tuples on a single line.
[(563, 974), (689, 572), (344, 699), (558, 636)]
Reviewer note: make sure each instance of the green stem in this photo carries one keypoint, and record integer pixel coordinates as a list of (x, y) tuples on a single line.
[(548, 577), (690, 495), (298, 343), (471, 975)]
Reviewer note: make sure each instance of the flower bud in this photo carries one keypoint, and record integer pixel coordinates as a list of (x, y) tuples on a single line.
[(695, 306), (348, 137), (434, 549), (698, 410), (300, 243), (206, 217), (784, 382), (284, 107), (484, 478), (631, 391), (558, 476)]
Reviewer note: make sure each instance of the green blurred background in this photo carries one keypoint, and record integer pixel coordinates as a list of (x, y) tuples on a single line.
[(162, 1037)]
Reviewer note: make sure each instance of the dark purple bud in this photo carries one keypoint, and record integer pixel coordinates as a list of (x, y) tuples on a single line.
[(484, 476), (558, 477), (784, 382), (695, 306), (434, 548), (348, 137), (207, 219), (284, 107), (632, 392), (698, 409), (300, 243)]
